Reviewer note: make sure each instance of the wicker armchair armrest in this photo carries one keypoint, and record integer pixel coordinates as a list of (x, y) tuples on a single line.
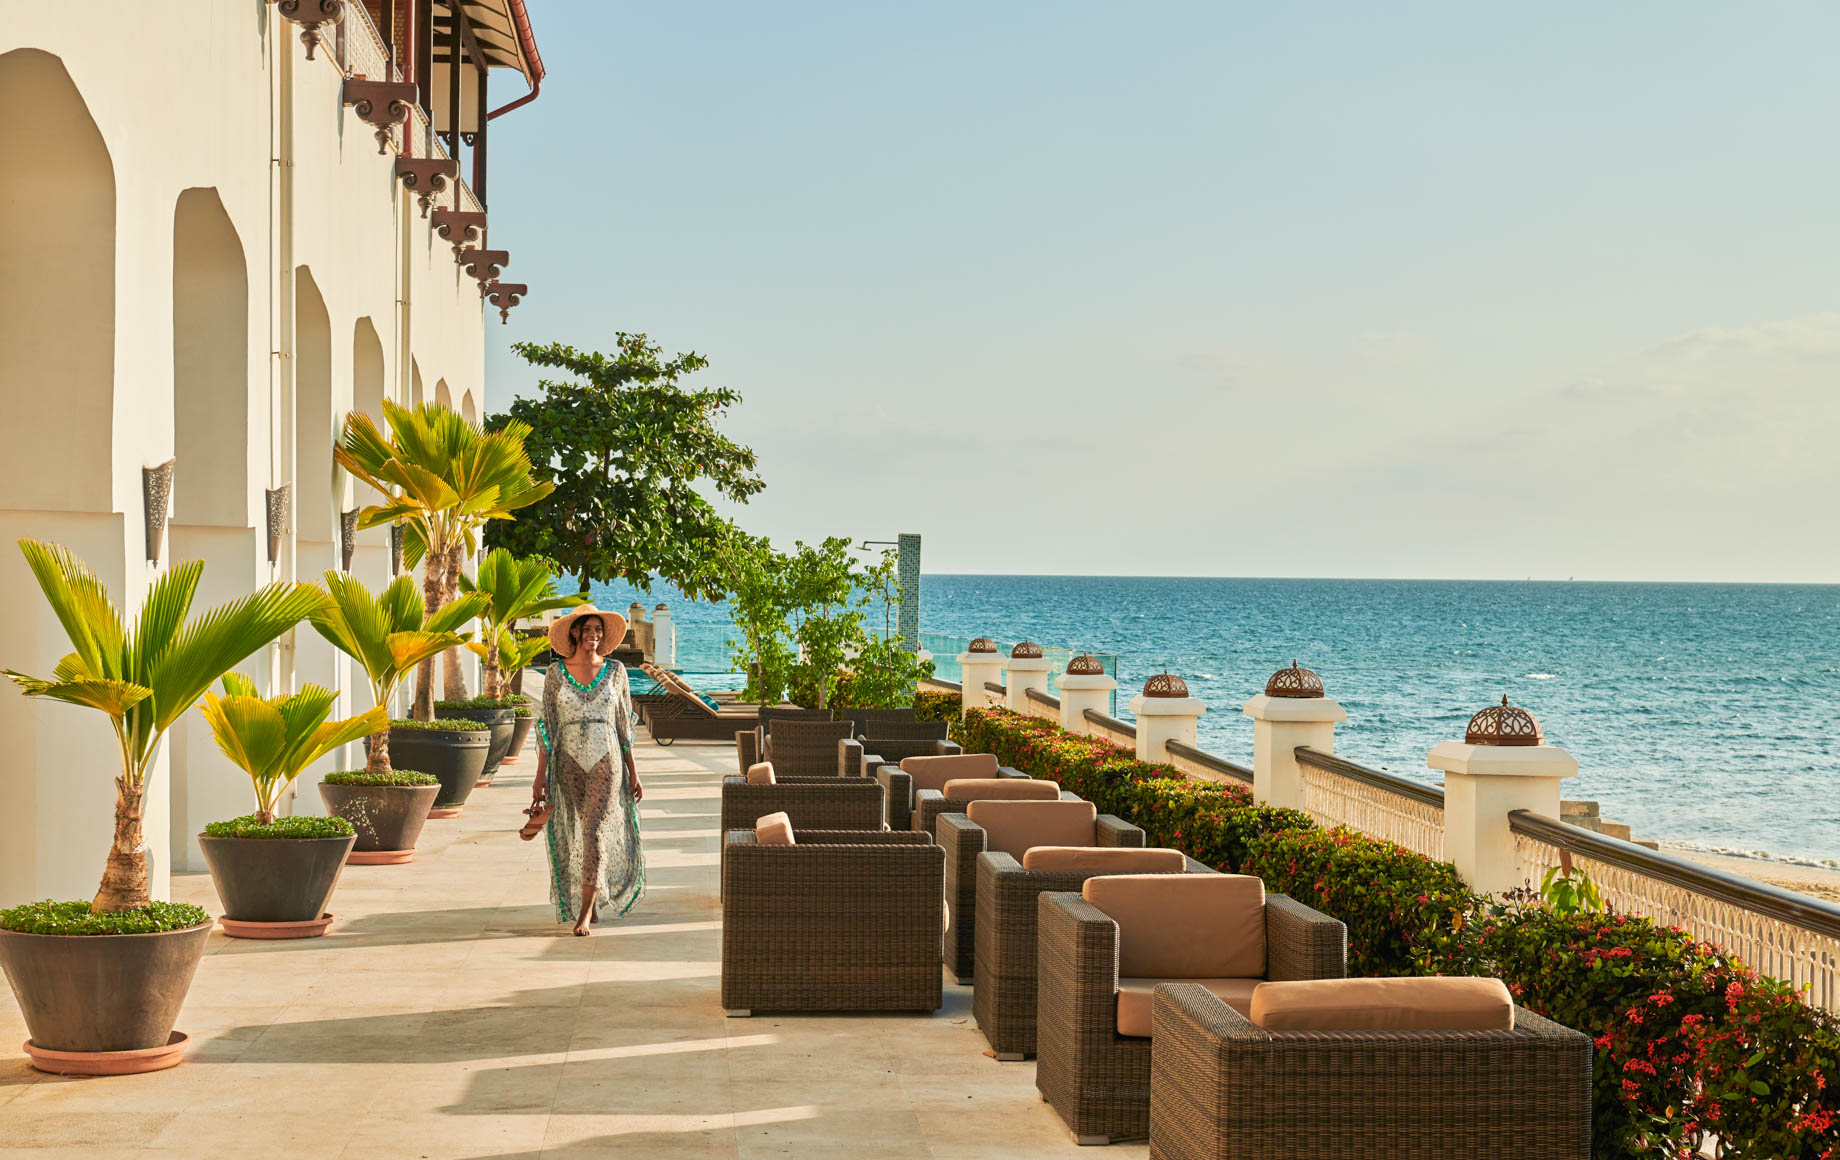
[(1111, 830), (849, 757), (947, 749), (817, 801), (747, 748), (898, 788), (1077, 972), (1301, 943), (963, 840), (1010, 771), (929, 804)]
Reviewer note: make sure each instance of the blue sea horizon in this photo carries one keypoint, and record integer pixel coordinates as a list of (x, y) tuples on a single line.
[(1702, 714)]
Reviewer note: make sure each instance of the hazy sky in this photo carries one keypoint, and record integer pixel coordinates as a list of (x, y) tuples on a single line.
[(1453, 290)]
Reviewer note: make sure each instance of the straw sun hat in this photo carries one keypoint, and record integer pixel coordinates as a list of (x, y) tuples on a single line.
[(559, 629)]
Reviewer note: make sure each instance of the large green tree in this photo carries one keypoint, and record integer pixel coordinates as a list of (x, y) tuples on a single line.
[(627, 445)]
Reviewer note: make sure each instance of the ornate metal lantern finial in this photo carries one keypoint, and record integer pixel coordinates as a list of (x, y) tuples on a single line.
[(156, 500), (1165, 684), (982, 644), (396, 549), (1027, 650), (1504, 724), (348, 538), (1294, 682), (1085, 665)]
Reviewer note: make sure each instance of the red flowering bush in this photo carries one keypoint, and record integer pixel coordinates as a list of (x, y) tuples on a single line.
[(936, 705)]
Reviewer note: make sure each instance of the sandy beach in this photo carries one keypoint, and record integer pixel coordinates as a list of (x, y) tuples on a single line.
[(1811, 880)]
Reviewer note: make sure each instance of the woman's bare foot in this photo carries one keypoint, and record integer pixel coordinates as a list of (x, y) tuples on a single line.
[(581, 928)]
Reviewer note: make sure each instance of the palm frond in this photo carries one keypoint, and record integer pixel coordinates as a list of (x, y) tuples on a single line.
[(113, 697), (220, 639), (81, 604), (168, 603)]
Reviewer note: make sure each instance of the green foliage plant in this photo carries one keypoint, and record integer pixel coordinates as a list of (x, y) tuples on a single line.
[(444, 479), (80, 918), (273, 740), (307, 826), (395, 777), (1566, 891), (441, 725), (389, 635), (938, 705), (626, 445), (516, 589), (144, 679)]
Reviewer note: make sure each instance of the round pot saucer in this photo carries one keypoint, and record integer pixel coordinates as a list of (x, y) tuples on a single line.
[(144, 1059), (310, 928), (379, 857)]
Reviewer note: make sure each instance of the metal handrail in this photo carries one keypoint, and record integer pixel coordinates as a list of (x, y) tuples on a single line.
[(1812, 914), (1203, 758), (945, 685), (994, 687), (1107, 721), (1041, 698), (1330, 763)]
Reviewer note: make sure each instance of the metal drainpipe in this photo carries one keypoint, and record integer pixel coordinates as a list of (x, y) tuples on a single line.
[(282, 390)]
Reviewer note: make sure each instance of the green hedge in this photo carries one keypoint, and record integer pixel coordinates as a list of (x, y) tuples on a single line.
[(936, 705), (76, 918), (1689, 1043)]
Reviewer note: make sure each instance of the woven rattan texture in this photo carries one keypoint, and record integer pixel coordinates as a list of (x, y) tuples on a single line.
[(806, 746)]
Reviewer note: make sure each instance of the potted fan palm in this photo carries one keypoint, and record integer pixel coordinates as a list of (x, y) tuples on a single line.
[(275, 874), (389, 635), (100, 983), (516, 589)]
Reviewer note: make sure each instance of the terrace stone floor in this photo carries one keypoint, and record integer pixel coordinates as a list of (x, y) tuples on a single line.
[(447, 1015)]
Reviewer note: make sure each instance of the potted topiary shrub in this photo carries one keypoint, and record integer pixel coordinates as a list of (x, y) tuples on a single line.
[(387, 810), (497, 716), (454, 751), (275, 875), (388, 636), (520, 732), (100, 983)]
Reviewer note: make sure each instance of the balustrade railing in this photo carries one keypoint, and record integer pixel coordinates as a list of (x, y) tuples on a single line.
[(1773, 931), (362, 50), (1206, 766), (1339, 792)]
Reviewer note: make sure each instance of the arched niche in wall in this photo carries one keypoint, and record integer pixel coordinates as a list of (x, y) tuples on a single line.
[(367, 371), (415, 383), (57, 299), (316, 491), (212, 436), (469, 410), (442, 395)]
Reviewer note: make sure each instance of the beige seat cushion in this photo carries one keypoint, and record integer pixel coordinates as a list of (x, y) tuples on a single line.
[(1104, 859), (1015, 828), (1184, 926), (761, 773), (976, 789), (773, 830), (1134, 999), (1449, 1003), (934, 772)]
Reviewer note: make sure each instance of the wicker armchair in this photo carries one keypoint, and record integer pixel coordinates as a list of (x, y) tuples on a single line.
[(867, 720), (840, 921), (1010, 827), (1097, 1078), (817, 803), (930, 805), (751, 744), (805, 747), (892, 742), (1222, 1088), (917, 773), (1004, 964)]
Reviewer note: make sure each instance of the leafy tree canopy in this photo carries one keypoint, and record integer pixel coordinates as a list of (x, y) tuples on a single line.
[(626, 444)]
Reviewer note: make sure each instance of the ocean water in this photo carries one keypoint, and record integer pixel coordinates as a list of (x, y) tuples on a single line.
[(1704, 715)]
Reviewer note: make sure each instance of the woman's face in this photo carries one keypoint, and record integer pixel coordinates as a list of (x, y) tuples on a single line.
[(590, 632)]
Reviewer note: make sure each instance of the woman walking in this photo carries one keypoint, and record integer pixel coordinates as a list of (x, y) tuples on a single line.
[(585, 770)]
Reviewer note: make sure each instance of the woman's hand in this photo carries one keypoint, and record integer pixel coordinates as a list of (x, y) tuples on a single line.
[(540, 784), (632, 777)]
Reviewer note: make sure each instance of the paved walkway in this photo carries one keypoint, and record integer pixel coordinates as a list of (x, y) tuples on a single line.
[(447, 1015)]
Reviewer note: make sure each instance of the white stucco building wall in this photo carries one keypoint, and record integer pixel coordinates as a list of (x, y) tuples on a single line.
[(207, 261)]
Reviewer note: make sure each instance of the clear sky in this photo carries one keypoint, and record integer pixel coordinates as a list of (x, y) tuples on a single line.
[(1410, 289)]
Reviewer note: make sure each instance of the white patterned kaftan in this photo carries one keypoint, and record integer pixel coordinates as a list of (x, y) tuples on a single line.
[(593, 832)]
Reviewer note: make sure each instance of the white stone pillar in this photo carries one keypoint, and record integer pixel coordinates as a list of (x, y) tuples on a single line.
[(980, 663), (1027, 669), (1085, 685), (1293, 710), (1485, 780), (664, 637), (1165, 713)]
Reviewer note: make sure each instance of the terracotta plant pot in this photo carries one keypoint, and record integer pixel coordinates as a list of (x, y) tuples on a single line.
[(503, 723), (275, 880), (520, 732), (454, 757), (388, 818), (104, 992)]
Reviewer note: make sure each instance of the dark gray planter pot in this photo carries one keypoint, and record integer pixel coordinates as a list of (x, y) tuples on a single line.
[(387, 817), (456, 758), (504, 725), (105, 992), (274, 879), (520, 733)]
